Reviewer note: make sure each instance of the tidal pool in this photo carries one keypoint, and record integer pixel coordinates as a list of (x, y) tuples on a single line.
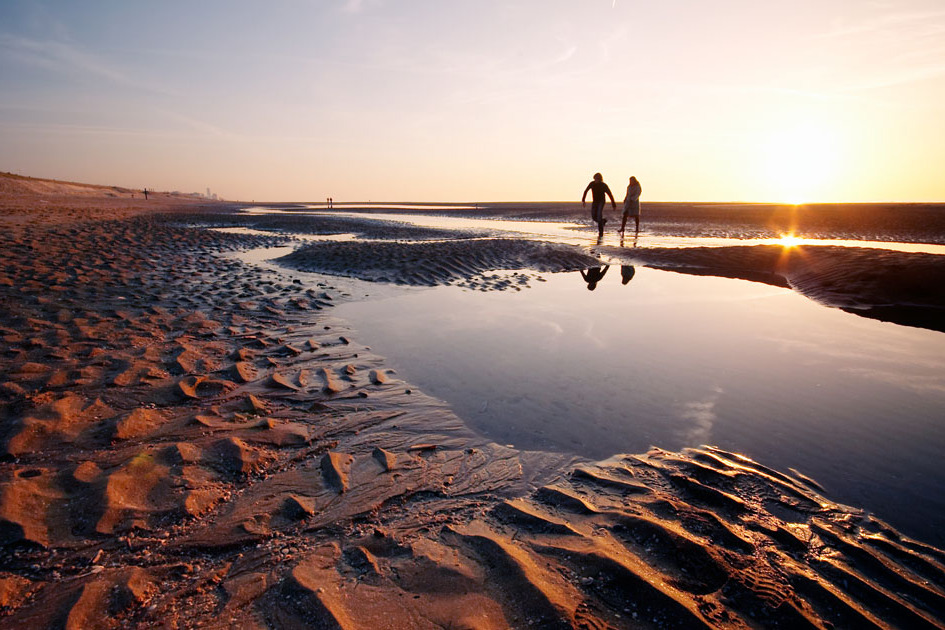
[(674, 360)]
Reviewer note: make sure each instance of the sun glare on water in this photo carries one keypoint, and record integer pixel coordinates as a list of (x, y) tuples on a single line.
[(789, 240)]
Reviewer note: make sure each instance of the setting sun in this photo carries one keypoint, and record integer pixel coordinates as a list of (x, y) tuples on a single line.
[(418, 101), (800, 162), (789, 240)]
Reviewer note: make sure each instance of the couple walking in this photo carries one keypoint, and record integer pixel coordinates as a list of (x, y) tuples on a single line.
[(631, 203)]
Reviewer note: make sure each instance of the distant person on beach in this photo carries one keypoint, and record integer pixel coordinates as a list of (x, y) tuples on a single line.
[(631, 204), (593, 276), (626, 273), (598, 189), (145, 194)]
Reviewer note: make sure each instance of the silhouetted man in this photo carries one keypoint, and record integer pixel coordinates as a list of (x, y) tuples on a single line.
[(598, 189), (593, 276)]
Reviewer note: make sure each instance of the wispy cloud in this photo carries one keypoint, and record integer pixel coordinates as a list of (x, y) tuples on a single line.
[(615, 39), (898, 77), (906, 47), (566, 54), (200, 126), (352, 6), (889, 21), (66, 58), (174, 125), (98, 131)]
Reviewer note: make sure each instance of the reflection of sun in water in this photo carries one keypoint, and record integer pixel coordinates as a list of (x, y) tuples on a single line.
[(789, 240), (800, 162)]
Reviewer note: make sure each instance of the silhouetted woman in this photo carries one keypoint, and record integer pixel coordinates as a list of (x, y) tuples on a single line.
[(631, 204), (626, 273)]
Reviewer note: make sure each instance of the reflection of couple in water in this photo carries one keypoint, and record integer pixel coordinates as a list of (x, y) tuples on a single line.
[(631, 203), (596, 274)]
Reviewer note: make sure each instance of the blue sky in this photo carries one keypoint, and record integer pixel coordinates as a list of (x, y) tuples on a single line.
[(422, 100)]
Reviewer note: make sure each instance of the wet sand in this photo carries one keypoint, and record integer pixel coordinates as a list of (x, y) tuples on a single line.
[(188, 441), (902, 222), (903, 288)]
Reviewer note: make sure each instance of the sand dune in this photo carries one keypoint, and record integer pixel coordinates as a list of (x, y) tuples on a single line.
[(189, 442)]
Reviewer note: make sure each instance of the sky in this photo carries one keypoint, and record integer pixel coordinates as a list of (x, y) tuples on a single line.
[(481, 100)]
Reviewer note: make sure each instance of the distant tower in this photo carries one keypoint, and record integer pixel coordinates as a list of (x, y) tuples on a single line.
[(208, 192)]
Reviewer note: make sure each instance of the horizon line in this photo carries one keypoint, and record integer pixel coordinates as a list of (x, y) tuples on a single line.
[(467, 202)]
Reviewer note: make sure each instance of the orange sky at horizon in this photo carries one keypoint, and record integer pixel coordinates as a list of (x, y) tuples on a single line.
[(826, 101)]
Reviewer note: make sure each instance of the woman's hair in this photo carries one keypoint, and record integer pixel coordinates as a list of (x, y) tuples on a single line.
[(633, 180), (598, 176)]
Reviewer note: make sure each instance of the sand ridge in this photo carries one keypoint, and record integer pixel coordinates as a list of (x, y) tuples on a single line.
[(904, 288), (464, 262), (191, 442)]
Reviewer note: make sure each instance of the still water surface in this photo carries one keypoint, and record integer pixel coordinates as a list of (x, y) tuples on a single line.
[(673, 360)]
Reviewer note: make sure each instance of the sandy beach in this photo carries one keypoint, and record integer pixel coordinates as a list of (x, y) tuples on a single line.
[(191, 441)]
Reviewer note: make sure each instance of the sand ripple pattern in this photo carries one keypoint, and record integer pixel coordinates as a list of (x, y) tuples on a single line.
[(699, 539), (189, 442), (438, 263)]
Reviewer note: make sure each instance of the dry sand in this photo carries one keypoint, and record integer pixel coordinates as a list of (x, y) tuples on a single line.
[(190, 442)]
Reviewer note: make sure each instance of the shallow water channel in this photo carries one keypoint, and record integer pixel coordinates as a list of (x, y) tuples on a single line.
[(675, 360)]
